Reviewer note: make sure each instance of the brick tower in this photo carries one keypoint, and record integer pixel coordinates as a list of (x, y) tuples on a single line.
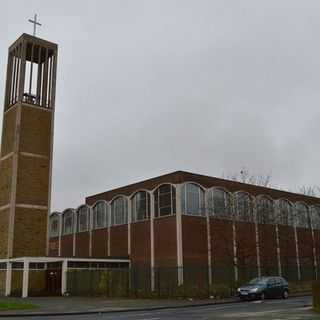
[(26, 147)]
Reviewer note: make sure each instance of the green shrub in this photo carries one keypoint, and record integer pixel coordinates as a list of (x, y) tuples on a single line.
[(316, 295), (300, 286), (190, 291), (103, 283), (220, 291)]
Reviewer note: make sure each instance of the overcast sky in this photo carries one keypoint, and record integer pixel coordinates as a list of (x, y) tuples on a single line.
[(149, 87)]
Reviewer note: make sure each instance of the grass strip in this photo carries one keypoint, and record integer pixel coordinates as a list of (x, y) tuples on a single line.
[(16, 306)]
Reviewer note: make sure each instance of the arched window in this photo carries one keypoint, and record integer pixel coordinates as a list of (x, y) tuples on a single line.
[(54, 225), (119, 211), (83, 214), (244, 207), (219, 203), (302, 216), (192, 200), (100, 215), (165, 200), (141, 206), (315, 217), (285, 213), (67, 222), (265, 210)]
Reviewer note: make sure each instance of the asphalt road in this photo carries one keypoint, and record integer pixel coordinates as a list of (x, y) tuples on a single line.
[(292, 309)]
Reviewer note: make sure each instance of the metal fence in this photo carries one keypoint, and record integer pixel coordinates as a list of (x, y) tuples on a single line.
[(136, 282), (109, 283)]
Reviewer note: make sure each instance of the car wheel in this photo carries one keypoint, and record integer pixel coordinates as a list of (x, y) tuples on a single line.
[(285, 294), (262, 296)]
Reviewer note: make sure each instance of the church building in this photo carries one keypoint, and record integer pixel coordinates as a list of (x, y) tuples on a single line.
[(193, 231), (177, 232)]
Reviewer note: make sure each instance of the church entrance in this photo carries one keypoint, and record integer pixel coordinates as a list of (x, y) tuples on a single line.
[(54, 279)]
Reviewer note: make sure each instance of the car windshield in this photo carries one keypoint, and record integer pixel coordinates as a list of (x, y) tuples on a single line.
[(259, 281)]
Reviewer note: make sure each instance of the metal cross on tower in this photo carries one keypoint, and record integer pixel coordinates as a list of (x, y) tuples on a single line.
[(35, 24)]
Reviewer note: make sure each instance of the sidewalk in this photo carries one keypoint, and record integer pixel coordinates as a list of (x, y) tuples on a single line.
[(85, 305)]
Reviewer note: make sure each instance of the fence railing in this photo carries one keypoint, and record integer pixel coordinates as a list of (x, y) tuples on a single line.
[(136, 282)]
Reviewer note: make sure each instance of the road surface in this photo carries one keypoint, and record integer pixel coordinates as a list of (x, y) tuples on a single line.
[(291, 309)]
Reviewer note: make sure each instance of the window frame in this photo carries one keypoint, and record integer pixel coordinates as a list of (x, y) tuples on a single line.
[(68, 212), (125, 212), (157, 195), (264, 198), (250, 216), (106, 217), (134, 209), (79, 214), (290, 213), (226, 213), (185, 198), (315, 210), (297, 221), (55, 217)]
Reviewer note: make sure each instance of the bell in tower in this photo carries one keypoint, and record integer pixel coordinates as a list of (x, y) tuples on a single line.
[(26, 150)]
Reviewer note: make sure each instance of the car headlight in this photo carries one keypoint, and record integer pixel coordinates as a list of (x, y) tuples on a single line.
[(254, 290), (238, 289)]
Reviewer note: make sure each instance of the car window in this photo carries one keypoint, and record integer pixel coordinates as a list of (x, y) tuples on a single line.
[(271, 282), (258, 281)]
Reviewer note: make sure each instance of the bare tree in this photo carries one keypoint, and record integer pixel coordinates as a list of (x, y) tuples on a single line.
[(245, 176), (312, 191)]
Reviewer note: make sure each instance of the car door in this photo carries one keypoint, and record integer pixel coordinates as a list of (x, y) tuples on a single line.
[(280, 287), (271, 288)]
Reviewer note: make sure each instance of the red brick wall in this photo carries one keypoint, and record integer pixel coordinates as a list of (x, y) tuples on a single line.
[(100, 243), (165, 242), (82, 244), (195, 241), (140, 244), (288, 252), (221, 242), (268, 249), (195, 251), (305, 252), (221, 250), (119, 241), (317, 245), (67, 245), (54, 247), (246, 250)]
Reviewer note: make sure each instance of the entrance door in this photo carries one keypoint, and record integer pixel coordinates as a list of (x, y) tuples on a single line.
[(54, 281)]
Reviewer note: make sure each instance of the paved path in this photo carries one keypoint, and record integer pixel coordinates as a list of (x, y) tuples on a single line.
[(291, 309)]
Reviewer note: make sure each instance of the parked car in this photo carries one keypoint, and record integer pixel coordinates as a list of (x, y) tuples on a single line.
[(264, 287)]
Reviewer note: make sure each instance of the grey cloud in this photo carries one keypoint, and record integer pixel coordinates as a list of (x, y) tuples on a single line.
[(146, 87)]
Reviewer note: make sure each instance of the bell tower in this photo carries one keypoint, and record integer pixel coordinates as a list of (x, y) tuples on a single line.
[(26, 147)]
